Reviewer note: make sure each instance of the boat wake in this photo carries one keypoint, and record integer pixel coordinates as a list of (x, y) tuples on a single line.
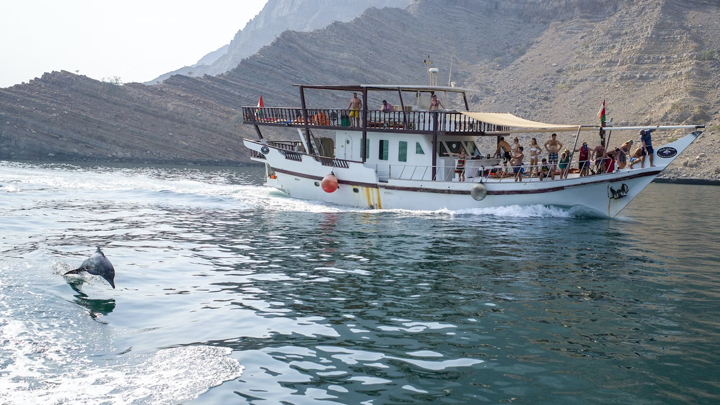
[(52, 355)]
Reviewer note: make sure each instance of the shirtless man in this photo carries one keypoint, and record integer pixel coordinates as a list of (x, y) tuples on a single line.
[(552, 147), (354, 107), (502, 144), (598, 153), (516, 163)]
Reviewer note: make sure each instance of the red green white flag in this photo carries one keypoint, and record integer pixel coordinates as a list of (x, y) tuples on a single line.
[(601, 114), (259, 105)]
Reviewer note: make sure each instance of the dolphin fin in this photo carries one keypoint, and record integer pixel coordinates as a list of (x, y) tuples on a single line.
[(76, 271)]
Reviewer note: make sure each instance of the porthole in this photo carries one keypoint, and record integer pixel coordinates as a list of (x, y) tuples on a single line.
[(355, 190), (317, 184)]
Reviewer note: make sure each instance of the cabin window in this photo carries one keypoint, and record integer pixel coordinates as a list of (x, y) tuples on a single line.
[(455, 146), (418, 149), (384, 146), (442, 150), (402, 151), (470, 147)]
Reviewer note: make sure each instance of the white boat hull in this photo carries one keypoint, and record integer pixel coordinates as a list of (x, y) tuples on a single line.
[(359, 186)]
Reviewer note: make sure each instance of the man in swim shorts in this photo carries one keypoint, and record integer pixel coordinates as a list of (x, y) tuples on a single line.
[(553, 146), (505, 147), (516, 163), (354, 107)]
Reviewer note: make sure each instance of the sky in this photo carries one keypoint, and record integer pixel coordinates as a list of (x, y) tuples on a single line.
[(133, 40)]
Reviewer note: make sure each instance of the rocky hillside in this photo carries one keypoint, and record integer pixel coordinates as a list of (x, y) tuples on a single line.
[(653, 61), (278, 16)]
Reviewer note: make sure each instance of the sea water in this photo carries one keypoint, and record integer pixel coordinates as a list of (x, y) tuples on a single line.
[(230, 292)]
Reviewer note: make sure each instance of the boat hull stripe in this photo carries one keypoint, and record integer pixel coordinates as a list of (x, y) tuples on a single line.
[(467, 192)]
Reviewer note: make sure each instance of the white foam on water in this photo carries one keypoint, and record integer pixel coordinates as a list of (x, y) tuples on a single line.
[(52, 352), (168, 376), (189, 187)]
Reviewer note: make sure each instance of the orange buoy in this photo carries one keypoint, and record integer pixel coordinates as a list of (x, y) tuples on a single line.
[(329, 183)]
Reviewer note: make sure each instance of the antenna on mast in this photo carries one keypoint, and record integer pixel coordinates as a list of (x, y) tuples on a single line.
[(451, 63), (431, 71)]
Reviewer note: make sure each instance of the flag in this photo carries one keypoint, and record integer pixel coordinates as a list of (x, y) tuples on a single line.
[(601, 114), (259, 106)]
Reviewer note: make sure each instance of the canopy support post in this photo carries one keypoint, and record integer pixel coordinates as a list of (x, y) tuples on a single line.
[(364, 126), (307, 121), (572, 152), (402, 106), (434, 154)]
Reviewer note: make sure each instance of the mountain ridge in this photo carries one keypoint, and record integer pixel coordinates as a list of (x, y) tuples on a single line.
[(276, 17), (653, 61)]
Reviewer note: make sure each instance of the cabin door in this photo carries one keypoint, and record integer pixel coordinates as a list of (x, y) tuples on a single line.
[(346, 148)]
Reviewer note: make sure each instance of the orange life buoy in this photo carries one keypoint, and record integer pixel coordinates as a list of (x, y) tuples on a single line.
[(329, 183)]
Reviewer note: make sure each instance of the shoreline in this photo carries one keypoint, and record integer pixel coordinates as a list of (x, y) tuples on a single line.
[(693, 181)]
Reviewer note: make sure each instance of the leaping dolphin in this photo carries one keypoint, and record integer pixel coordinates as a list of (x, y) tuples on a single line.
[(97, 265)]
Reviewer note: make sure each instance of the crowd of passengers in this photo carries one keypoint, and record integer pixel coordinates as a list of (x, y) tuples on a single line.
[(557, 163)]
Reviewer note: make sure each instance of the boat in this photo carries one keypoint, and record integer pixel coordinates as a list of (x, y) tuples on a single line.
[(406, 158)]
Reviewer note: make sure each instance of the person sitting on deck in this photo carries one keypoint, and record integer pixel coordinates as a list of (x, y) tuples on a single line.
[(635, 157), (387, 107), (622, 153), (544, 169), (599, 154), (321, 119)]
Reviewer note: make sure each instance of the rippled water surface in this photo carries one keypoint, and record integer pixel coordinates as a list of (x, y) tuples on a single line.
[(229, 292)]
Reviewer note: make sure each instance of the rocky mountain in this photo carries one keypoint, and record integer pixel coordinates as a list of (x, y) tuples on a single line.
[(653, 61), (278, 16)]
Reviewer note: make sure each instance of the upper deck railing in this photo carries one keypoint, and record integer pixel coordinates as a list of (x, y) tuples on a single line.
[(377, 121)]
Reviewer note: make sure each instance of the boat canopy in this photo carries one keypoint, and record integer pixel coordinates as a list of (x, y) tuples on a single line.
[(513, 121), (387, 87)]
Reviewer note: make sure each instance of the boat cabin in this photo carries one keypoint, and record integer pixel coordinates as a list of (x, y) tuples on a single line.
[(408, 140)]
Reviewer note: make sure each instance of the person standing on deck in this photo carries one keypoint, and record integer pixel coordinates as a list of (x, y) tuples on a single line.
[(435, 103), (534, 156), (646, 148), (552, 147), (505, 147), (516, 163), (583, 160), (460, 168), (354, 107), (564, 164)]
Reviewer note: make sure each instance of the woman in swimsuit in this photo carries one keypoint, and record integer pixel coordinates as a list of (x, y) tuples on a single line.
[(564, 163), (435, 103), (534, 155), (622, 154)]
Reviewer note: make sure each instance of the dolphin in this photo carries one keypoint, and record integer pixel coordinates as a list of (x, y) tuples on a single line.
[(97, 265)]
